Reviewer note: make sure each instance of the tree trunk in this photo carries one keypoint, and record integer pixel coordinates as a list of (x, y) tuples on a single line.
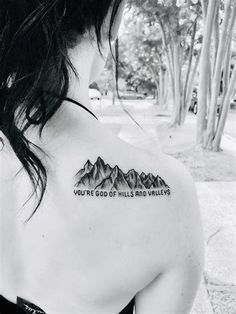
[(113, 86), (171, 77), (113, 68), (226, 78), (205, 55), (204, 9), (216, 35), (176, 120), (189, 64), (155, 79), (191, 86), (226, 74), (166, 91), (225, 109), (210, 132), (168, 52), (161, 87)]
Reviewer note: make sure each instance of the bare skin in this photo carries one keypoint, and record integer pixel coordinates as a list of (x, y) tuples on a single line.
[(88, 254), (93, 254)]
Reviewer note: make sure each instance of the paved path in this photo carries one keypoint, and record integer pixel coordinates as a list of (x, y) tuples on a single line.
[(230, 127), (146, 114), (218, 290)]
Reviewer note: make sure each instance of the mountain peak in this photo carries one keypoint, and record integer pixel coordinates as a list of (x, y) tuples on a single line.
[(143, 176), (132, 172), (116, 169), (134, 180), (100, 160), (151, 176), (88, 163), (102, 176)]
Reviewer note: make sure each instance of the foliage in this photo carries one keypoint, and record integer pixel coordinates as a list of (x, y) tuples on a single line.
[(172, 28), (161, 47)]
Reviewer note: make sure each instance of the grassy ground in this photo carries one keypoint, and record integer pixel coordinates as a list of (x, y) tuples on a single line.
[(203, 165)]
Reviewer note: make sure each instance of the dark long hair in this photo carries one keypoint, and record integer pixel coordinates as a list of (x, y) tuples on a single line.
[(34, 67)]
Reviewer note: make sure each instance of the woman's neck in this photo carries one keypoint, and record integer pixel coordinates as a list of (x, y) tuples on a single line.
[(82, 58), (71, 118), (79, 90)]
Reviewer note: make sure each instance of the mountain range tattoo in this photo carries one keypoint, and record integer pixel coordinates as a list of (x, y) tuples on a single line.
[(100, 179)]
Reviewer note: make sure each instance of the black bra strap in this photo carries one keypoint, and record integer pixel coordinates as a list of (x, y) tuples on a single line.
[(25, 307), (7, 307), (129, 309), (28, 307), (80, 105)]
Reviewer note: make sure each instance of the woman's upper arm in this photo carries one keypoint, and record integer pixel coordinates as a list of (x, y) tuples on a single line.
[(174, 290), (171, 292)]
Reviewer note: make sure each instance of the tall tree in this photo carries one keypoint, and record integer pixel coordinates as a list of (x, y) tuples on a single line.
[(177, 22), (215, 92)]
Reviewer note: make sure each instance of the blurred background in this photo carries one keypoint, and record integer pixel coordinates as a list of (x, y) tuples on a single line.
[(171, 84)]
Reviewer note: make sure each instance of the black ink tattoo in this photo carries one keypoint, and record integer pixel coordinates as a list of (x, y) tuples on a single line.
[(28, 307), (99, 176)]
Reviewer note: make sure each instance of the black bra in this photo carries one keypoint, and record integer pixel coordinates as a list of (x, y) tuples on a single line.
[(24, 307)]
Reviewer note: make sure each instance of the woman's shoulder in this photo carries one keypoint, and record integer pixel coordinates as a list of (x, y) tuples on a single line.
[(154, 189), (120, 167), (168, 184)]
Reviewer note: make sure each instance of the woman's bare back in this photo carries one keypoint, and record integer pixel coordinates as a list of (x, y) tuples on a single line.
[(113, 221)]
